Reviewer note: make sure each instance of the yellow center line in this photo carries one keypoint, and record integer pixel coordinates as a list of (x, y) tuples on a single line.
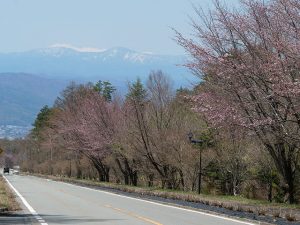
[(122, 211), (134, 215)]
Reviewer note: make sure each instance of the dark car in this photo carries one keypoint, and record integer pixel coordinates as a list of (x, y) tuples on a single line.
[(6, 170)]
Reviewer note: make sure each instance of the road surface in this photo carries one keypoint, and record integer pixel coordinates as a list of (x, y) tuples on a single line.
[(50, 202)]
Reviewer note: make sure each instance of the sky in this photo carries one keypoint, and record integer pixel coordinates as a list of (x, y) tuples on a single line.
[(141, 25)]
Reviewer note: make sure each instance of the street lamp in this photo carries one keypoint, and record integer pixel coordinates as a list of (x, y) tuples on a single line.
[(194, 141)]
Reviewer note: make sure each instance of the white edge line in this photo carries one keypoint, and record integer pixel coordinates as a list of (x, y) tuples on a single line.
[(160, 204), (31, 210)]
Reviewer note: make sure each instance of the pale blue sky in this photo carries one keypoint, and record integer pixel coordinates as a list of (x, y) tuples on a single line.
[(142, 25)]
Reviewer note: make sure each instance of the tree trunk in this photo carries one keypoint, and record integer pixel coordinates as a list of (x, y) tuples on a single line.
[(182, 179), (70, 169), (134, 178), (270, 195), (78, 170), (101, 176), (169, 185), (291, 190), (234, 186), (283, 156), (126, 179), (102, 169), (106, 173), (150, 180), (123, 170)]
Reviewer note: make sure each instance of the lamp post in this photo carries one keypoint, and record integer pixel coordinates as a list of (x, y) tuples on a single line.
[(194, 141)]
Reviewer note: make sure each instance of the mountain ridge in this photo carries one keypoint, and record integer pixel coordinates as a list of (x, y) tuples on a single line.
[(62, 62)]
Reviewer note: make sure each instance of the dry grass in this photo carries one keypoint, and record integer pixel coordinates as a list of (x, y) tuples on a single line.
[(7, 198), (290, 217)]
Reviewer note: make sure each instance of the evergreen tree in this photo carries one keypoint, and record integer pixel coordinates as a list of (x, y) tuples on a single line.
[(105, 88), (137, 92), (42, 120)]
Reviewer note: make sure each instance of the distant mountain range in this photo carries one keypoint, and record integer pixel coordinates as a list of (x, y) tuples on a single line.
[(116, 64), (32, 79)]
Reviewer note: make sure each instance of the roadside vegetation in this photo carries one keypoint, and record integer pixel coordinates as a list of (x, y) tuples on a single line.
[(8, 201), (235, 134)]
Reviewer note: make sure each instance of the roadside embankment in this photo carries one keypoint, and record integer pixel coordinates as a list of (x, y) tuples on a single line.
[(264, 211), (8, 201)]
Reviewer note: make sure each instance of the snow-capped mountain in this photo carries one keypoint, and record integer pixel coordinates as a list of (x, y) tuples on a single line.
[(102, 55)]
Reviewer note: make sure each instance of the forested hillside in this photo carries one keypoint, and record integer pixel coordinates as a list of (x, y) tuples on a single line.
[(22, 95)]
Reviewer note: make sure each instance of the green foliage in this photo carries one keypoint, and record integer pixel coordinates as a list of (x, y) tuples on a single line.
[(42, 120), (212, 171), (280, 194), (183, 91), (105, 88), (268, 176), (137, 92), (204, 135)]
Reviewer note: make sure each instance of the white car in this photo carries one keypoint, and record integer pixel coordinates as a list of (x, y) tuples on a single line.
[(15, 172)]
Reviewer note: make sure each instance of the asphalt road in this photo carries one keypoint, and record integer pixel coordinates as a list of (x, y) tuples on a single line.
[(49, 202)]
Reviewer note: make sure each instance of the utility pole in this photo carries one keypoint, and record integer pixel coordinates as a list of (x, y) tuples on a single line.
[(198, 142), (200, 171)]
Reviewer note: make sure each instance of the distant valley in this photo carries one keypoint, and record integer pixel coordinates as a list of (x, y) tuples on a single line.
[(21, 97)]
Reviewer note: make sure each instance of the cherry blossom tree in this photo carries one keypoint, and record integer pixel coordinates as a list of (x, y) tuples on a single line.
[(249, 61), (87, 123)]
